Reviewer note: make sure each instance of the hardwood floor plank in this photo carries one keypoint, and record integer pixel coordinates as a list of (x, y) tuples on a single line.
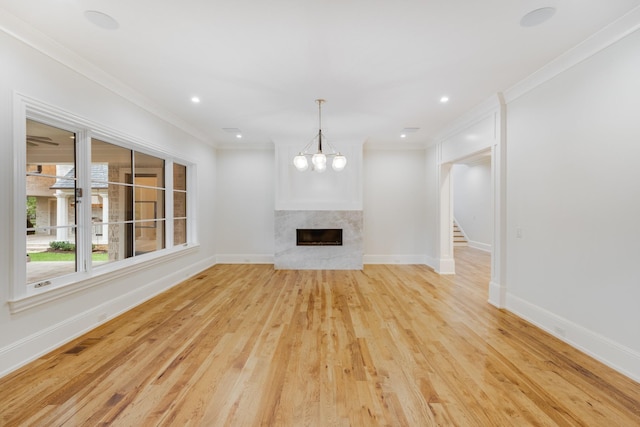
[(246, 345)]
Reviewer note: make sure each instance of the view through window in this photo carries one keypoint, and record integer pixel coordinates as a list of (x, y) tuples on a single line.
[(125, 209), (51, 202)]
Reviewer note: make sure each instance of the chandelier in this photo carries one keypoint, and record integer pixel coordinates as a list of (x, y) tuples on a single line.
[(318, 156)]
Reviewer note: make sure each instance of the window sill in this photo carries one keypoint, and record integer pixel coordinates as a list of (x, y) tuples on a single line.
[(45, 295)]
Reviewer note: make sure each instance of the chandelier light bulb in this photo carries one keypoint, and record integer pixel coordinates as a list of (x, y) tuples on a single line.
[(300, 162), (320, 168), (339, 162), (319, 160)]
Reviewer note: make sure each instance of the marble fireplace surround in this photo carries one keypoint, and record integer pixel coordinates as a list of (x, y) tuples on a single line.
[(289, 256)]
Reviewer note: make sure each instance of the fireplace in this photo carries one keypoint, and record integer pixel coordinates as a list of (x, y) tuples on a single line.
[(319, 237), (318, 240)]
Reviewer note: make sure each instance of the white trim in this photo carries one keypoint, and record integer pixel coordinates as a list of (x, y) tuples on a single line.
[(244, 259), (615, 355), (169, 214), (367, 259), (19, 244), (192, 203), (479, 245), (49, 114), (34, 346), (430, 262), (23, 296), (497, 294), (620, 28), (253, 146), (395, 259), (395, 146), (446, 266), (46, 295), (482, 111)]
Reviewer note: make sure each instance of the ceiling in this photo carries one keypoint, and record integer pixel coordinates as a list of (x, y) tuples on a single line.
[(258, 66)]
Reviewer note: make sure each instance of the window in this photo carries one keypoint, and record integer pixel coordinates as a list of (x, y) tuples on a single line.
[(51, 185), (179, 204), (128, 187), (92, 204)]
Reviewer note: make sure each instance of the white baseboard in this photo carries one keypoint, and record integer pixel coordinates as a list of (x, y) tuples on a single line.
[(367, 259), (478, 245), (394, 259), (245, 259), (430, 262), (616, 356), (497, 295), (445, 266), (30, 348)]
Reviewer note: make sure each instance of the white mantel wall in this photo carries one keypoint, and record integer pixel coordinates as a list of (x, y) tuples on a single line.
[(310, 199), (309, 190)]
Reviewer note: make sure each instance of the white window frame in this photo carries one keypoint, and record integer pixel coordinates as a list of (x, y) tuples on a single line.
[(23, 296)]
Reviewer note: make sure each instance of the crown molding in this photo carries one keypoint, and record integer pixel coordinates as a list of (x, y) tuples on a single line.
[(610, 34), (480, 112), (254, 146), (35, 39), (394, 146), (604, 38)]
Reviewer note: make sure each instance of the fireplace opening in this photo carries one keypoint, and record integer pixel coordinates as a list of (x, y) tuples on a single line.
[(319, 237)]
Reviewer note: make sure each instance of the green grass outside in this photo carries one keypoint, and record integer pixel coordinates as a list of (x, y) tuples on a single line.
[(61, 256)]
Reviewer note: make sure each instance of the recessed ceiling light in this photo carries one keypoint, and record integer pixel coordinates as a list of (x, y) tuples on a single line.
[(237, 132), (407, 131), (410, 130), (195, 99), (537, 16), (101, 20), (444, 99)]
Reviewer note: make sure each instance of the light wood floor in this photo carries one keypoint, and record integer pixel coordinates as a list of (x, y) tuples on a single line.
[(244, 345)]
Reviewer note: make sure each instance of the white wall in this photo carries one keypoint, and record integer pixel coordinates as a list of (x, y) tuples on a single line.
[(395, 206), (34, 331), (245, 203), (574, 195), (431, 216), (395, 187), (472, 201)]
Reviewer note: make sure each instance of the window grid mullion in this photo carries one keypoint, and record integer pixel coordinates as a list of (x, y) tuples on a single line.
[(83, 210), (168, 200)]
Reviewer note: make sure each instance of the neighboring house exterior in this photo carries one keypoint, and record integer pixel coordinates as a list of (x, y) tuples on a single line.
[(59, 210)]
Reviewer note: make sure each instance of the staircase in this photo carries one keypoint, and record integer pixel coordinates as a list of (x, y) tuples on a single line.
[(458, 236)]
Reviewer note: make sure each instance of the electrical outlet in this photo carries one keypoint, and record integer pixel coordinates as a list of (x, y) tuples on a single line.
[(518, 233)]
